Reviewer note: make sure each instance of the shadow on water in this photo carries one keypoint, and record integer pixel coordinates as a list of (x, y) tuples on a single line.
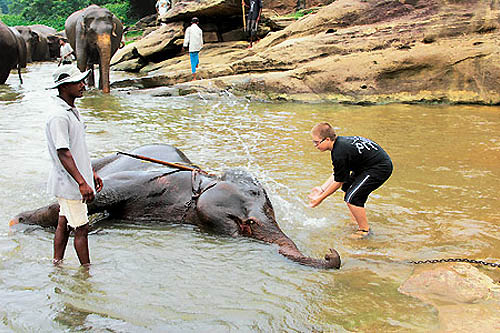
[(9, 95)]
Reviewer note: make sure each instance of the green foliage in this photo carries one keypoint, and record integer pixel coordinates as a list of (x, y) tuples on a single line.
[(13, 20), (133, 34), (4, 8), (300, 13), (54, 13), (121, 10)]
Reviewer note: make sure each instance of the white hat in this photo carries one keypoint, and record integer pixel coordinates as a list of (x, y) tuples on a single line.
[(68, 74)]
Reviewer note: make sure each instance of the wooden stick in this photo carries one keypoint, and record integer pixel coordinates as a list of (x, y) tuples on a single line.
[(170, 164)]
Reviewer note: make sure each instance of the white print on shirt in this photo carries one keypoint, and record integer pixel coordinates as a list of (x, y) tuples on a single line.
[(363, 143)]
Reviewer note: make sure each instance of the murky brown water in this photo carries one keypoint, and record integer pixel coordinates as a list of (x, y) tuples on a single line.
[(442, 201)]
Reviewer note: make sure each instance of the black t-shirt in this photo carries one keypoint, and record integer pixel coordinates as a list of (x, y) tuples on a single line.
[(254, 10), (357, 154)]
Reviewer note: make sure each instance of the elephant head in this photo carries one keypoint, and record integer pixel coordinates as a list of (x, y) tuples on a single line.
[(95, 35), (31, 39), (238, 205)]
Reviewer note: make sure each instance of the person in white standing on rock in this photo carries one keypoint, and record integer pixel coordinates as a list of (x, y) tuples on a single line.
[(194, 39)]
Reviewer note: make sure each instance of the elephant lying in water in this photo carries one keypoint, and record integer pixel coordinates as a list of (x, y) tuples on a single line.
[(234, 204)]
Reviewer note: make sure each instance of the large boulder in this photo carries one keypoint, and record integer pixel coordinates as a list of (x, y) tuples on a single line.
[(184, 10), (467, 299), (368, 51), (158, 45)]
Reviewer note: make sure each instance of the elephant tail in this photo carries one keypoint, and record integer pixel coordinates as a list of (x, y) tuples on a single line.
[(19, 72)]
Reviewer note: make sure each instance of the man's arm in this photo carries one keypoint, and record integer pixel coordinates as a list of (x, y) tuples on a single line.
[(186, 37), (320, 193), (68, 163)]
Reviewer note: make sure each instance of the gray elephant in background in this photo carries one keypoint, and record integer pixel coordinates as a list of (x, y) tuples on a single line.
[(30, 38), (37, 44), (11, 52), (52, 38), (95, 35)]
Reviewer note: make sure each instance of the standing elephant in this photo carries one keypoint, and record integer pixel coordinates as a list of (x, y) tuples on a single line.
[(49, 34), (30, 38), (234, 204), (12, 52), (95, 35), (37, 44)]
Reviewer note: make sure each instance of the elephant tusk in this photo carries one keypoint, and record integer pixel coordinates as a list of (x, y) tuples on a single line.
[(114, 30)]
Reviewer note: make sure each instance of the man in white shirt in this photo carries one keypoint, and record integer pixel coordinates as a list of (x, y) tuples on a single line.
[(194, 39), (66, 52), (72, 179), (162, 7)]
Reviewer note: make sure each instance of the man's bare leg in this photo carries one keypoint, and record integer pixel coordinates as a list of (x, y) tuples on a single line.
[(60, 239), (359, 214), (353, 219), (82, 244)]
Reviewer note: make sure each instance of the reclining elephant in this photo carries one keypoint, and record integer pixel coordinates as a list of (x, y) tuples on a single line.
[(234, 204), (12, 52), (95, 34)]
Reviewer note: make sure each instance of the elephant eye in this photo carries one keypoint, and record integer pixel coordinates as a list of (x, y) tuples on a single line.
[(254, 193)]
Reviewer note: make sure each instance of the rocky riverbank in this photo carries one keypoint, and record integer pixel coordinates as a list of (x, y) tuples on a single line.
[(351, 51)]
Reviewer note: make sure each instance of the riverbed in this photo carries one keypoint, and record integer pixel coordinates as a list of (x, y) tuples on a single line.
[(441, 201)]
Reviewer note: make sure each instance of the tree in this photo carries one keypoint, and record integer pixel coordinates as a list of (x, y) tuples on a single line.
[(4, 8)]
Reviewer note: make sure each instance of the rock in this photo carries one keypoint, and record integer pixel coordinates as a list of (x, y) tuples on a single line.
[(184, 10), (351, 51), (466, 299), (159, 42)]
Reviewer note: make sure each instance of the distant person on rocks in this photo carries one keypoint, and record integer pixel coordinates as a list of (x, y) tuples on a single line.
[(253, 17), (359, 167), (301, 4), (162, 7), (72, 179), (66, 52), (194, 39)]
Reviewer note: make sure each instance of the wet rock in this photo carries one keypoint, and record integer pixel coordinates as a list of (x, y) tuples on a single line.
[(467, 299)]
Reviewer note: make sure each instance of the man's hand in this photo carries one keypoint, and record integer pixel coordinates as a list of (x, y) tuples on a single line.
[(97, 182), (87, 192), (315, 196)]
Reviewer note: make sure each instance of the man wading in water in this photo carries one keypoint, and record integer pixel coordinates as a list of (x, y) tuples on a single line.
[(359, 166), (72, 177)]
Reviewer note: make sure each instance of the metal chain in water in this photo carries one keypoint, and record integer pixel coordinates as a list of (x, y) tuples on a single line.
[(470, 261)]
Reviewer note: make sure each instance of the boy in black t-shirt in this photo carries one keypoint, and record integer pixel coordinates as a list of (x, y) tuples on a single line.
[(359, 167)]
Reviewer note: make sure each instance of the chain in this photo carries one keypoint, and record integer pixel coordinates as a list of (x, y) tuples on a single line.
[(470, 261)]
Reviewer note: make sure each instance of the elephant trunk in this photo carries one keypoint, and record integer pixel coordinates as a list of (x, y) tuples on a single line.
[(104, 47), (288, 249), (46, 216)]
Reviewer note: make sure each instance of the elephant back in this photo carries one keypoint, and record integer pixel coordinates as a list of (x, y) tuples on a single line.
[(70, 27)]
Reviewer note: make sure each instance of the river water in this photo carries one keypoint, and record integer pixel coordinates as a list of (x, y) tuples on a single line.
[(442, 201)]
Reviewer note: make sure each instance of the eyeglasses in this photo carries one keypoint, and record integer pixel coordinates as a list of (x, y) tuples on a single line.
[(317, 143)]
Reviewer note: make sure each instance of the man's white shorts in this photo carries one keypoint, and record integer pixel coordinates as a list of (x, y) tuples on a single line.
[(75, 212)]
